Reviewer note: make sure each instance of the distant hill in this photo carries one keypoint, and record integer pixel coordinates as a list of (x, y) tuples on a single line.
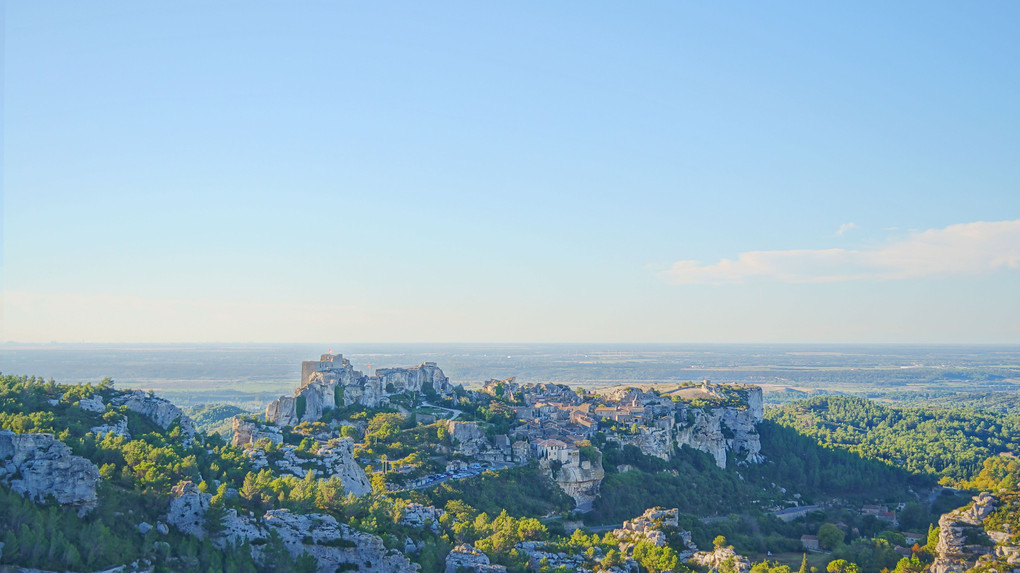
[(214, 418)]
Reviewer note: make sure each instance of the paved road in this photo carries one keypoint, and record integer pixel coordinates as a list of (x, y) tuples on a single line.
[(802, 510), (456, 413)]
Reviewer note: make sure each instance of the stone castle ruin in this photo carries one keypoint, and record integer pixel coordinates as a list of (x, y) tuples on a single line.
[(331, 382)]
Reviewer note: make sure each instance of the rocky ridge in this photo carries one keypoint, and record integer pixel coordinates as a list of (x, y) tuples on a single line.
[(332, 544), (162, 412)]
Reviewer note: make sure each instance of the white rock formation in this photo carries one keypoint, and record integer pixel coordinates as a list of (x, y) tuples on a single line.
[(422, 516), (334, 544), (187, 509), (162, 412), (468, 437), (331, 543), (719, 430), (464, 557), (648, 527), (118, 429), (247, 432), (93, 404), (339, 461), (722, 558), (39, 465), (952, 553), (581, 482)]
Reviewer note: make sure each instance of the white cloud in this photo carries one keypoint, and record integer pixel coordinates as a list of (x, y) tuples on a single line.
[(964, 249), (846, 227)]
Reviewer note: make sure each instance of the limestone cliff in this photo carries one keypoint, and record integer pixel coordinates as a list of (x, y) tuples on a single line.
[(162, 412), (707, 419), (246, 432), (332, 382), (580, 481), (38, 466)]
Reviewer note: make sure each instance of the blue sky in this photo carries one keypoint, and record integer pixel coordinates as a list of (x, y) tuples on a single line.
[(667, 172)]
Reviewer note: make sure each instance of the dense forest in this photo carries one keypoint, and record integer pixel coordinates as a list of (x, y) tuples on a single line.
[(950, 444)]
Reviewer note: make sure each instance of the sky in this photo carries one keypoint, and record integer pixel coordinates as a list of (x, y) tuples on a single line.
[(511, 172)]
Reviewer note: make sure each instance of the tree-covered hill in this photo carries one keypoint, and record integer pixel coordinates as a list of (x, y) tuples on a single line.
[(945, 443)]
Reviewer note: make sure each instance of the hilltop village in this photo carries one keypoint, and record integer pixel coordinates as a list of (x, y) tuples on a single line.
[(550, 423)]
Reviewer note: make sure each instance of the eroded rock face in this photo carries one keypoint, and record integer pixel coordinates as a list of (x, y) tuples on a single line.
[(187, 509), (722, 430), (464, 557), (162, 412), (955, 551), (470, 438), (719, 430), (651, 441), (339, 461), (581, 482), (334, 544), (38, 466), (247, 432)]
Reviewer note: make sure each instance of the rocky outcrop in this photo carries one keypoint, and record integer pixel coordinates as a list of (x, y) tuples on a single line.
[(724, 558), (39, 466), (93, 404), (332, 382), (118, 429), (338, 460), (467, 436), (187, 509), (716, 419), (246, 432), (960, 532), (581, 483), (162, 412), (648, 527), (465, 558), (651, 441), (334, 545), (422, 516), (720, 431)]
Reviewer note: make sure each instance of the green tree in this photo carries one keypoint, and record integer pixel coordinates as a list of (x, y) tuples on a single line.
[(842, 566), (830, 536)]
